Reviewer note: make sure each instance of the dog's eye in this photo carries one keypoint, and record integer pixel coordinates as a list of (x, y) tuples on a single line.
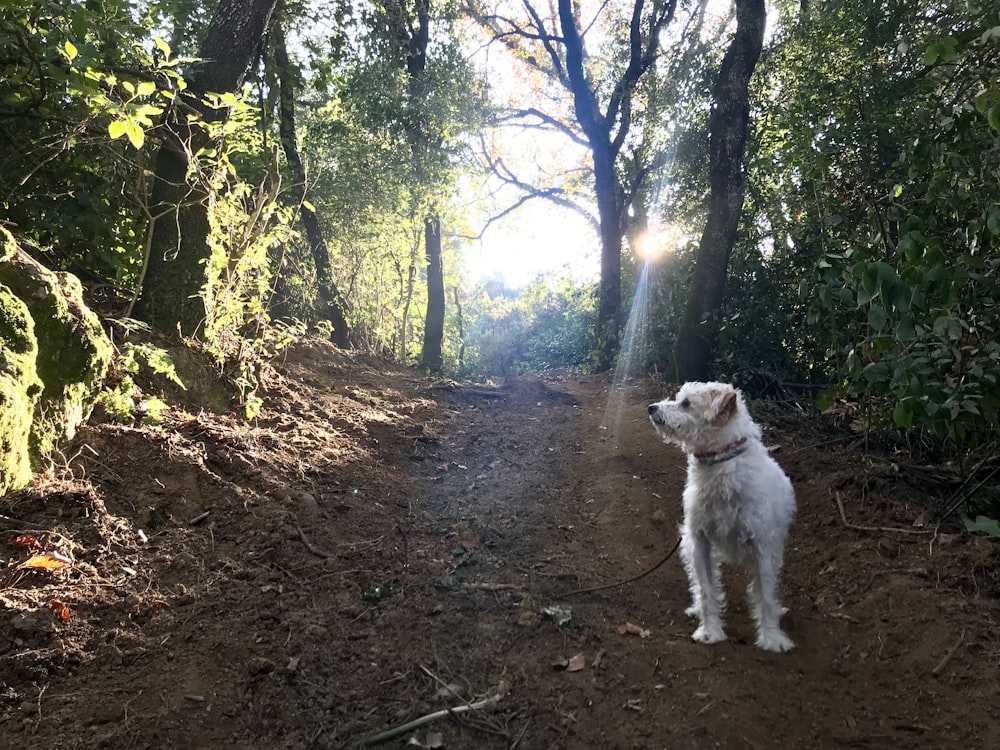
[(685, 403)]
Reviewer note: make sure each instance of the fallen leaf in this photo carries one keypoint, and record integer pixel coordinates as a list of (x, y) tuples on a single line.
[(27, 542), (527, 618), (61, 610), (468, 539), (632, 629), (44, 562), (573, 664)]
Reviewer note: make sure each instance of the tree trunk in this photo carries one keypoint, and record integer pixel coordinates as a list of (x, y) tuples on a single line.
[(329, 296), (461, 332), (411, 274), (432, 358), (609, 207), (175, 273), (727, 139)]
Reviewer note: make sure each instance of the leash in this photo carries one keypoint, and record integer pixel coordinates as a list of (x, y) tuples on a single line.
[(633, 579)]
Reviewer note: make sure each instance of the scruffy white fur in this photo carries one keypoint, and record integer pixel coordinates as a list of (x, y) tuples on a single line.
[(738, 505)]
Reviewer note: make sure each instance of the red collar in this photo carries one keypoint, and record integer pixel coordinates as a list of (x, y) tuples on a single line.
[(723, 454)]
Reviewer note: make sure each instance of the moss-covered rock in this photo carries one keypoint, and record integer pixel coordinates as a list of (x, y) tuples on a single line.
[(72, 351), (19, 387)]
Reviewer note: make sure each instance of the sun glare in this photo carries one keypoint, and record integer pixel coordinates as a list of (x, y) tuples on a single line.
[(657, 241)]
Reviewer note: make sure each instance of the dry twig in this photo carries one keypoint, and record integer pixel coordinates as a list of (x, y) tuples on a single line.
[(875, 529), (428, 718), (948, 656), (316, 551)]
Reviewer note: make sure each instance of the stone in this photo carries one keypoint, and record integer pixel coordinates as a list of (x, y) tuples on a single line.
[(56, 334)]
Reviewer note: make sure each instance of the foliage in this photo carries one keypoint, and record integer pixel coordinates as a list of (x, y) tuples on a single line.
[(546, 325), (121, 399), (884, 182), (75, 77)]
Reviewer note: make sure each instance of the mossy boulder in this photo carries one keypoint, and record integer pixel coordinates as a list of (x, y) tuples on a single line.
[(19, 388), (56, 356)]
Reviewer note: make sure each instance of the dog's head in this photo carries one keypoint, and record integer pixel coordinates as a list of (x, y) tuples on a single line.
[(700, 415)]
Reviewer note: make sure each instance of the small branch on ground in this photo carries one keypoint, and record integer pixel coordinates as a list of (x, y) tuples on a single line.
[(389, 734), (875, 529), (19, 524), (308, 545), (490, 587), (948, 656)]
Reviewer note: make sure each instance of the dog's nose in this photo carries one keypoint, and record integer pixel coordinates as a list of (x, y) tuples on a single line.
[(653, 408)]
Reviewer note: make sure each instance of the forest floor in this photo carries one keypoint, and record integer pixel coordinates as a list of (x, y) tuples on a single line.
[(378, 546)]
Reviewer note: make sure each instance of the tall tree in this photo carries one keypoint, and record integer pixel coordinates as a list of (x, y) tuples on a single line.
[(329, 295), (412, 29), (175, 275), (727, 140), (556, 44)]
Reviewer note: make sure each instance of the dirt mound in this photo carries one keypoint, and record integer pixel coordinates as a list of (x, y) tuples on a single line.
[(378, 546)]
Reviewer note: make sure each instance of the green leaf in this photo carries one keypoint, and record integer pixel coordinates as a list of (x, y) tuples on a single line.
[(135, 134), (876, 372), (948, 327), (163, 47), (902, 416), (70, 50), (824, 399), (116, 129), (146, 88), (876, 317), (307, 205), (931, 55), (905, 330), (982, 525), (993, 221), (994, 117)]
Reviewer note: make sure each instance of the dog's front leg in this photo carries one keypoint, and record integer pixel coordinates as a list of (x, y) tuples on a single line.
[(764, 605), (709, 591)]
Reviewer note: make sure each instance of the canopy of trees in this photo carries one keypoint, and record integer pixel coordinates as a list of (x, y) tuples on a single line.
[(244, 171)]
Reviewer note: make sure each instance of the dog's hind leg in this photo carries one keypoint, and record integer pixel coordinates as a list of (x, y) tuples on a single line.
[(762, 592), (706, 589)]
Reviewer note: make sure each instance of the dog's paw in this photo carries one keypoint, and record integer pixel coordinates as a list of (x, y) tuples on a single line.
[(712, 633), (774, 640)]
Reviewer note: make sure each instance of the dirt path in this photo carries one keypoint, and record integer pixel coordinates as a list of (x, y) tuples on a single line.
[(380, 546)]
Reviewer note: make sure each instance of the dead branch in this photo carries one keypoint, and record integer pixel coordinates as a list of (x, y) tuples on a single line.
[(948, 656), (875, 529), (428, 718), (308, 545)]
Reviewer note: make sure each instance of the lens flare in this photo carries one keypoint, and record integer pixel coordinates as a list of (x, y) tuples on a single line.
[(649, 246), (657, 241)]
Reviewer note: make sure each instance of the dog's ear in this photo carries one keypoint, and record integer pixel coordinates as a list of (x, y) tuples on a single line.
[(726, 403)]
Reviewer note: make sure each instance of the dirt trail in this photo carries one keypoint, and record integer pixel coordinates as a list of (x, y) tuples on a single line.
[(379, 546)]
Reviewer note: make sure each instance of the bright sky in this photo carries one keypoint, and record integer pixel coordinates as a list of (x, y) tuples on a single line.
[(540, 237)]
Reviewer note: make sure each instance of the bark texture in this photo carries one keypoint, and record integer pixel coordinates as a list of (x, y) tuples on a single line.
[(606, 130), (432, 358), (727, 140), (331, 302), (175, 274)]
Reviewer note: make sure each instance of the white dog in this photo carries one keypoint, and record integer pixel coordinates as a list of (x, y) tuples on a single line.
[(738, 505)]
